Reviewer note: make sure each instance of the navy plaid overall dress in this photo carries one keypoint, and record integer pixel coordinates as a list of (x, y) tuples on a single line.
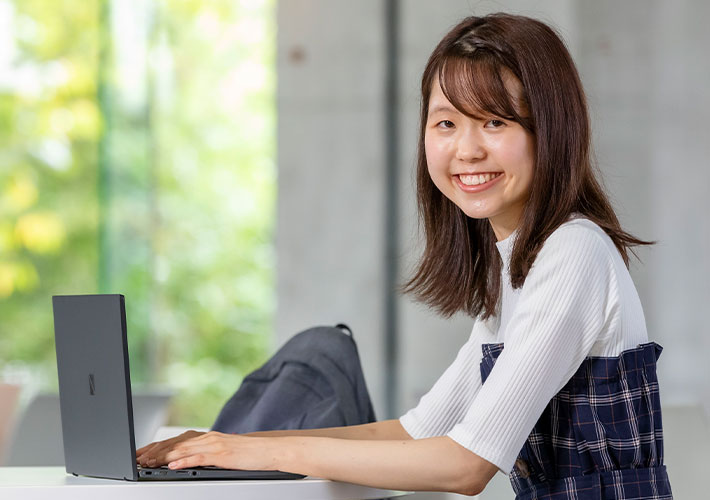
[(600, 437)]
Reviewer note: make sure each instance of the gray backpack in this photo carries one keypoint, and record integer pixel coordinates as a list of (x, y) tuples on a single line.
[(315, 380)]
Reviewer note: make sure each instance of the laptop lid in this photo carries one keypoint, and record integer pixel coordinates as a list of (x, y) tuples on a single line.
[(94, 386)]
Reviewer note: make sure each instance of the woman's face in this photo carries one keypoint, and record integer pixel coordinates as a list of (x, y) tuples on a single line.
[(483, 165)]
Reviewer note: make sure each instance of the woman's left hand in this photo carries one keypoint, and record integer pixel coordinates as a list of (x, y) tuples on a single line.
[(229, 451)]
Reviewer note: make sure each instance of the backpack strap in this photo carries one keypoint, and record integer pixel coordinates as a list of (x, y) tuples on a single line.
[(346, 329)]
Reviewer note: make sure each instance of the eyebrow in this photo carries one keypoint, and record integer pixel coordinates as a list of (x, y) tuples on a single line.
[(444, 107), (440, 107)]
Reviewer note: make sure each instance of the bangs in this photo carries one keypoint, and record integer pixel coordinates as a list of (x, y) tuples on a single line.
[(476, 87)]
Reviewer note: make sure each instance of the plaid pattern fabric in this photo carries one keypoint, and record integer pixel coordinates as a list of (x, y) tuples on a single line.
[(600, 437)]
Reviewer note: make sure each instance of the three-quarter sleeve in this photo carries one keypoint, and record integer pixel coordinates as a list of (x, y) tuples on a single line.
[(450, 397), (568, 300)]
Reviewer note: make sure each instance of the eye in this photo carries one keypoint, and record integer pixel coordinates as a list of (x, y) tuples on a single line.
[(495, 123), (446, 123)]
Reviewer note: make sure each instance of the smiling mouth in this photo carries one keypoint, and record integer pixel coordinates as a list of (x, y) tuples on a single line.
[(476, 179)]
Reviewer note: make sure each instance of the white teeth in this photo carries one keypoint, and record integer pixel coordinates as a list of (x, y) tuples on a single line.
[(475, 180)]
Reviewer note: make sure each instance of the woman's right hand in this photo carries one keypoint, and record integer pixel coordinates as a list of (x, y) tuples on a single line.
[(154, 453)]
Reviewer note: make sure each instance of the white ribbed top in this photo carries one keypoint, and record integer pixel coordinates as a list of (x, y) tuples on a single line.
[(578, 300)]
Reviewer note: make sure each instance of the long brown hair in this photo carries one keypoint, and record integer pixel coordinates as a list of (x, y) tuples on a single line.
[(460, 268)]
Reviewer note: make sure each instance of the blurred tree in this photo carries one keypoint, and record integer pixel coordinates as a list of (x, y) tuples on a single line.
[(145, 169)]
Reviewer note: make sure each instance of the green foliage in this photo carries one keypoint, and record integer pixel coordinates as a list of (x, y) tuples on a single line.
[(184, 133)]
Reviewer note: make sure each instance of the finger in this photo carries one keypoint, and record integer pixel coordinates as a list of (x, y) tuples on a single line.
[(164, 454), (185, 450), (157, 456), (159, 448), (154, 454), (196, 460), (146, 452), (146, 448), (205, 445)]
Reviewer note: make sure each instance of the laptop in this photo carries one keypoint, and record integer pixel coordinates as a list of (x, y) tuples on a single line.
[(95, 396)]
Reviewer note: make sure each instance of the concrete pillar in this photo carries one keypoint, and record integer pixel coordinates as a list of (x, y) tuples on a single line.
[(330, 233)]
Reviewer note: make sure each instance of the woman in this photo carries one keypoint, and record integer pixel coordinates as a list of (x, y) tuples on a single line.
[(556, 385)]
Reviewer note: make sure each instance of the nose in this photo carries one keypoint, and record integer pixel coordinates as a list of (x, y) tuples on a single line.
[(470, 147)]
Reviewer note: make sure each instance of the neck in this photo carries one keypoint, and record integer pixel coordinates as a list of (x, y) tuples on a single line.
[(504, 224)]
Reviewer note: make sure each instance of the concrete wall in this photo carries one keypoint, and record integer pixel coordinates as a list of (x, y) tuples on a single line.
[(646, 71)]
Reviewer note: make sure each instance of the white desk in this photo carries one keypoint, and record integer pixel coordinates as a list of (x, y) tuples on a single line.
[(29, 483)]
